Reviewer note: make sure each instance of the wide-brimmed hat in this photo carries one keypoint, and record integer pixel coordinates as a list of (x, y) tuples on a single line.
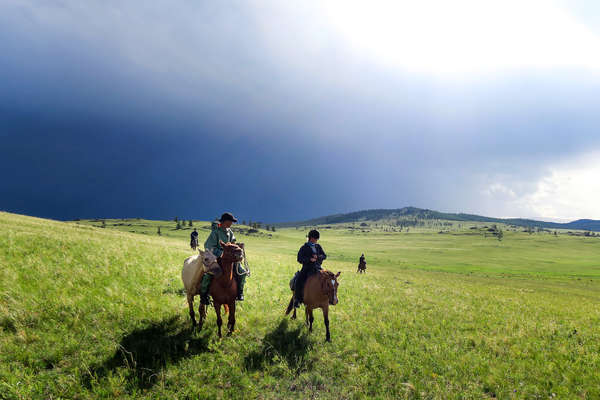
[(227, 217)]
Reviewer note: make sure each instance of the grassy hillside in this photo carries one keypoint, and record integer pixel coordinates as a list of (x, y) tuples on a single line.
[(90, 312)]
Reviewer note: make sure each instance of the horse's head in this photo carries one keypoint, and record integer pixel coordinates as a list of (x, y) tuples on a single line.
[(329, 284), (207, 257), (232, 252)]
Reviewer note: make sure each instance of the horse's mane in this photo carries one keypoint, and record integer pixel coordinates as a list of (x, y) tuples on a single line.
[(324, 274)]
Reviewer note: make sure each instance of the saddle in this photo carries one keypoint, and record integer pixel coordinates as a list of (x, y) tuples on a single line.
[(295, 277)]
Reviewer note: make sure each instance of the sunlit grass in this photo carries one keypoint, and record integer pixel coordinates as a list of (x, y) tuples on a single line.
[(87, 312)]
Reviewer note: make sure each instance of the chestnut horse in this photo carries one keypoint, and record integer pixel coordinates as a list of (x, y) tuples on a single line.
[(320, 290), (223, 288)]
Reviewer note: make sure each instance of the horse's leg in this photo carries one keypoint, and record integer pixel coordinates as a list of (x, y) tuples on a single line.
[(202, 312), (309, 318), (231, 320), (190, 300), (326, 318), (219, 319)]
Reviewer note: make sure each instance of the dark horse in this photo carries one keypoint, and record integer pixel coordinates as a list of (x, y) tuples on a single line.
[(362, 266), (194, 243), (223, 288), (320, 290)]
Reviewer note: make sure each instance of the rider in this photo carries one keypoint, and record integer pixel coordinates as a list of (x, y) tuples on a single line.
[(194, 237), (222, 233), (362, 263), (310, 255)]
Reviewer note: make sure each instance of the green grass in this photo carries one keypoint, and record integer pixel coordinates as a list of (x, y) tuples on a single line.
[(87, 312)]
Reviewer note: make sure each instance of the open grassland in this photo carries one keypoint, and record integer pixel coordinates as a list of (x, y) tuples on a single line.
[(87, 312)]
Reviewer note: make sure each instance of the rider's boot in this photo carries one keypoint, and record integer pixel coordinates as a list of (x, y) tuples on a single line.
[(297, 296), (241, 280), (204, 287)]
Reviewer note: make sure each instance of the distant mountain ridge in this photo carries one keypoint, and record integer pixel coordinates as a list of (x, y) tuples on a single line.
[(420, 213)]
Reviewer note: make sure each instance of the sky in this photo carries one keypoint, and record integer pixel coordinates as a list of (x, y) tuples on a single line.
[(283, 111)]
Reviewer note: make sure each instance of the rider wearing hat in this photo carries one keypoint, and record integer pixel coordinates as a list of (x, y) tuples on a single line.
[(213, 243), (310, 255)]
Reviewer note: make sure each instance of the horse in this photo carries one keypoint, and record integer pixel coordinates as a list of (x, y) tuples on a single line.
[(362, 267), (194, 268), (320, 290), (223, 288), (194, 243)]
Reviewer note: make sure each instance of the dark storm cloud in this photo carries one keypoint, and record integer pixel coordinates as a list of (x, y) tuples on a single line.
[(112, 109)]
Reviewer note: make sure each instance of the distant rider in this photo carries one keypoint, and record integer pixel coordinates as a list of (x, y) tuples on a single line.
[(223, 233), (362, 263), (194, 238), (310, 255)]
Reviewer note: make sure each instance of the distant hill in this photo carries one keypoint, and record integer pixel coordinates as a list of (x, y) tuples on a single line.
[(419, 213)]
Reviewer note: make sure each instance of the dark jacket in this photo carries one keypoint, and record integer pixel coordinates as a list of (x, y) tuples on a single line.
[(305, 254)]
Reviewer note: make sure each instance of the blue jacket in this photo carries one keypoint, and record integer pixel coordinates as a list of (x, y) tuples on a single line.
[(305, 254)]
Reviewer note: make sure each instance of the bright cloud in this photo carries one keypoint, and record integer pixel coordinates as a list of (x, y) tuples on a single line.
[(466, 35), (570, 190)]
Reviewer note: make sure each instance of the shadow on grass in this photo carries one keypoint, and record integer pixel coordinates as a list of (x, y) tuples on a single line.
[(290, 345), (144, 352)]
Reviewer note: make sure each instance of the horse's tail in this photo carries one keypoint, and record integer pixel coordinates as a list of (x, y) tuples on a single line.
[(290, 306), (226, 308)]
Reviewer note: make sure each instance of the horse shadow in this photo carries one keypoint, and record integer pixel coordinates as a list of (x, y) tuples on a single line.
[(282, 343), (146, 351)]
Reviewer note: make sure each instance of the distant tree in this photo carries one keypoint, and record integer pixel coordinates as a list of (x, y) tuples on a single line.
[(158, 231), (103, 223), (499, 234), (555, 233), (175, 220), (273, 228), (244, 222), (178, 225), (190, 223), (258, 225)]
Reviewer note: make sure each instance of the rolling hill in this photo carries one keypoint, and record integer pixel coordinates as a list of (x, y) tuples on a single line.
[(420, 213)]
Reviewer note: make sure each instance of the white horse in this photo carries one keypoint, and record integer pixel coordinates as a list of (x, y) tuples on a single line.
[(194, 268)]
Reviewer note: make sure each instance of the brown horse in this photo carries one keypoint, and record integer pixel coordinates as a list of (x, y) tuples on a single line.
[(223, 288), (320, 290)]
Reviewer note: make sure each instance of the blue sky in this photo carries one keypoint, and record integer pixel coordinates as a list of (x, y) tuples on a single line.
[(280, 111)]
